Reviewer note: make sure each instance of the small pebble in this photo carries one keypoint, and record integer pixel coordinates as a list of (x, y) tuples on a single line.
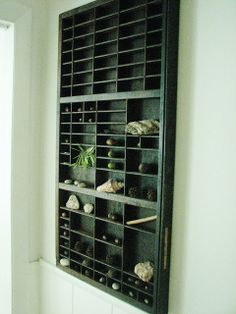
[(137, 282), (76, 182), (65, 253), (64, 262), (63, 215), (146, 288), (102, 280), (66, 225), (90, 120), (80, 119), (131, 294), (146, 301), (65, 233), (66, 243), (115, 286), (104, 237), (68, 181), (79, 109), (66, 140), (113, 217), (91, 108), (130, 279), (67, 109), (88, 208), (117, 241)]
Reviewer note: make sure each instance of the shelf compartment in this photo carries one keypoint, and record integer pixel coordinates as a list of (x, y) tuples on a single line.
[(143, 109), (106, 35), (106, 9), (137, 284), (154, 23), (83, 54), (136, 42), (104, 87), (126, 58), (83, 42), (153, 68), (107, 22), (135, 212), (136, 28), (125, 5), (153, 82), (104, 62), (143, 185), (107, 270), (102, 176), (67, 23), (115, 152), (105, 75), (108, 233), (115, 140), (66, 57), (153, 53), (132, 15), (115, 117), (148, 158), (82, 224), (106, 48), (136, 249), (67, 46), (130, 85), (83, 29), (108, 254), (82, 90), (154, 8), (131, 71), (82, 78), (84, 16), (83, 139), (82, 66), (67, 34)]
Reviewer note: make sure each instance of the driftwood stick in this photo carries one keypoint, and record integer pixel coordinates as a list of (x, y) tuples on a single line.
[(141, 221)]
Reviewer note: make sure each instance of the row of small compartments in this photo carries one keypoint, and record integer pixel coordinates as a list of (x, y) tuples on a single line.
[(126, 11), (126, 288)]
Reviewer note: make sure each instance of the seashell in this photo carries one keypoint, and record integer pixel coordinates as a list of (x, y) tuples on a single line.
[(144, 271), (72, 202), (143, 127), (111, 186), (64, 262), (88, 208)]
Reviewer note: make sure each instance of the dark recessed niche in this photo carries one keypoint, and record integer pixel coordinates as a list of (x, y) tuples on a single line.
[(117, 98)]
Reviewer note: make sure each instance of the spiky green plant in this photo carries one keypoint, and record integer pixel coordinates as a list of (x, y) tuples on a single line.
[(85, 158)]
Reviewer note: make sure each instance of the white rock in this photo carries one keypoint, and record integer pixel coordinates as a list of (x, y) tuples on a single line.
[(64, 262), (72, 202), (144, 271), (116, 286), (76, 182), (88, 208), (68, 181), (81, 185)]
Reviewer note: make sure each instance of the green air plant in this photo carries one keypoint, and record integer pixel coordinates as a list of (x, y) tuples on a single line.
[(85, 158)]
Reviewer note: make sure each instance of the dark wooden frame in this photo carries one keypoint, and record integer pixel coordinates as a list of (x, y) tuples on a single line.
[(166, 93)]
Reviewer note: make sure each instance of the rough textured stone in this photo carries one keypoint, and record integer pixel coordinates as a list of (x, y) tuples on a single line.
[(72, 202), (144, 271)]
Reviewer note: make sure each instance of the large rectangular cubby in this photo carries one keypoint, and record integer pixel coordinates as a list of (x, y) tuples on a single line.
[(117, 65)]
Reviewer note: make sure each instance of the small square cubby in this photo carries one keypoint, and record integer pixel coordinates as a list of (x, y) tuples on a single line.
[(136, 250), (109, 233), (82, 248), (154, 23), (110, 164), (82, 78), (137, 284), (129, 291), (136, 43), (143, 109), (83, 42), (83, 224), (154, 8), (107, 271), (135, 84), (131, 71), (111, 153), (126, 5), (118, 177), (83, 128), (106, 48), (105, 75), (84, 17), (84, 29), (64, 252), (106, 35), (114, 117), (66, 70), (132, 29), (82, 139), (134, 57), (132, 15), (142, 162), (108, 87), (108, 254), (82, 66), (141, 186), (107, 9), (107, 210), (107, 22), (133, 216)]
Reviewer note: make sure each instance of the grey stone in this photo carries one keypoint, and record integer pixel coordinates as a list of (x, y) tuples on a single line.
[(115, 286), (64, 262)]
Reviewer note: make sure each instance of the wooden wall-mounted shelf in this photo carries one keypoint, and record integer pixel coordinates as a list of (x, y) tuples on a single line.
[(118, 64)]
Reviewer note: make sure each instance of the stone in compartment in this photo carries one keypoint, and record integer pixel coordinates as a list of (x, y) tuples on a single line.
[(115, 286), (88, 208), (64, 262), (144, 271), (73, 202)]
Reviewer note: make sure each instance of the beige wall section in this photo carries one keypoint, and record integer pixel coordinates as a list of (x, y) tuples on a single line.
[(28, 19), (203, 272)]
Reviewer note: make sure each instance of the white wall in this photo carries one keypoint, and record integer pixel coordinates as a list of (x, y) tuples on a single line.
[(28, 19), (6, 93)]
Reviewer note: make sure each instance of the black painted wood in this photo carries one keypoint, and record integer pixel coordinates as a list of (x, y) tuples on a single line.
[(117, 63)]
